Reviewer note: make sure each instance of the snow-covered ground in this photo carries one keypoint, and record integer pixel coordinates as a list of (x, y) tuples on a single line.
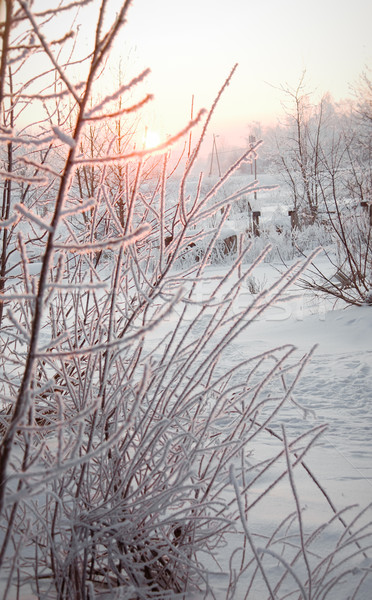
[(334, 393), (335, 389)]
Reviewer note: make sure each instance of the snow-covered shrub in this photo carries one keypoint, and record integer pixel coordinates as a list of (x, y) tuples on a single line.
[(350, 258), (323, 153), (284, 244), (125, 400), (345, 186)]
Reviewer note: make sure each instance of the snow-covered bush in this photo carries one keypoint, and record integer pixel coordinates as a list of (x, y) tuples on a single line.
[(286, 245), (122, 418), (323, 153), (345, 187)]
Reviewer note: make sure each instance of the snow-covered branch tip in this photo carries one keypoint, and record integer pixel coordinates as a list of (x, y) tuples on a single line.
[(39, 166), (108, 244), (32, 217), (64, 137), (10, 136), (117, 94), (146, 151), (123, 111), (22, 178), (9, 222), (8, 297), (48, 51), (209, 116), (79, 208)]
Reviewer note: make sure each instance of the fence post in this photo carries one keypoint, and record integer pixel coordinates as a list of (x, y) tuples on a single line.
[(367, 206), (294, 219), (256, 222)]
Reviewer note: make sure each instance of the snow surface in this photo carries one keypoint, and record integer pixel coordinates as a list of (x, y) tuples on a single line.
[(335, 389)]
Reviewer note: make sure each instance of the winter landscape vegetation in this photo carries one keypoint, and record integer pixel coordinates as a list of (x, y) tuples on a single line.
[(185, 333)]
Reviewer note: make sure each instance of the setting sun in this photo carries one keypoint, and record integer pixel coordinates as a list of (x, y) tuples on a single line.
[(152, 139)]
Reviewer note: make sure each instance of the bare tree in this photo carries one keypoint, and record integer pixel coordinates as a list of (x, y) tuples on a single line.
[(298, 145), (345, 184)]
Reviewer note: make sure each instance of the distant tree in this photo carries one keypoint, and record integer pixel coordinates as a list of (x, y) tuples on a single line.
[(363, 92), (344, 184), (307, 129)]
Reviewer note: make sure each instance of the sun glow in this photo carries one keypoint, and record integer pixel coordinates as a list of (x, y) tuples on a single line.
[(152, 139)]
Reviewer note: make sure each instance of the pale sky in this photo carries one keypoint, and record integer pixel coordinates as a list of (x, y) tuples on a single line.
[(191, 46)]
